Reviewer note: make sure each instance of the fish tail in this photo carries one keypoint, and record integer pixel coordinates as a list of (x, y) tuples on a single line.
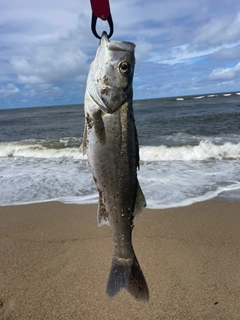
[(127, 275)]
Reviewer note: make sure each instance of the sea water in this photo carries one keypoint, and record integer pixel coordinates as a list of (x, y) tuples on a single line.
[(189, 152)]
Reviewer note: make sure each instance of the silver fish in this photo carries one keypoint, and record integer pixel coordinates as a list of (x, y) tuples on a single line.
[(111, 144)]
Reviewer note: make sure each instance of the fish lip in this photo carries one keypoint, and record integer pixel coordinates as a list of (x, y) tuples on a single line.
[(104, 39)]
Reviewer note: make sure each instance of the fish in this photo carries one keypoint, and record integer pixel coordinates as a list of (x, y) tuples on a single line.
[(111, 143)]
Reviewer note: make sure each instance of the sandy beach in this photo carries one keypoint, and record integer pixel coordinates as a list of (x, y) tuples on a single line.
[(55, 260)]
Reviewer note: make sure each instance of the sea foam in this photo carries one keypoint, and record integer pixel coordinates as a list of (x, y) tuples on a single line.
[(40, 149), (165, 183), (205, 150)]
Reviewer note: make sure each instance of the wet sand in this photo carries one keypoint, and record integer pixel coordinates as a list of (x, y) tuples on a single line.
[(54, 263)]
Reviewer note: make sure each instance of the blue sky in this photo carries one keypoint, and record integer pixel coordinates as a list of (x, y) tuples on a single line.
[(182, 47)]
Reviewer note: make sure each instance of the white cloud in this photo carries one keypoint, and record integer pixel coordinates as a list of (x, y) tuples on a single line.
[(143, 50), (9, 90), (43, 16), (48, 62), (225, 73), (29, 79), (141, 12), (219, 31), (227, 54), (47, 90), (179, 54), (205, 38), (49, 65), (188, 53)]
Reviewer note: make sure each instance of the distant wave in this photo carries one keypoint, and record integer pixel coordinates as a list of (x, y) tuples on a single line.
[(70, 148), (212, 95), (199, 97), (207, 96)]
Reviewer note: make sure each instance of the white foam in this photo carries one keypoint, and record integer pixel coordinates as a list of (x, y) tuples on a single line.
[(33, 171), (164, 183), (170, 184), (26, 180), (34, 149), (204, 151)]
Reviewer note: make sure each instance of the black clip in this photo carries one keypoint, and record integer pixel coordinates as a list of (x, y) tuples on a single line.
[(110, 23)]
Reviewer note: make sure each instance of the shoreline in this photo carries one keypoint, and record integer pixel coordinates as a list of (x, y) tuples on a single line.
[(55, 262), (222, 197)]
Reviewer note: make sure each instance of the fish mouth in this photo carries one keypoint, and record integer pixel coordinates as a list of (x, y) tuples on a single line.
[(104, 41), (116, 45)]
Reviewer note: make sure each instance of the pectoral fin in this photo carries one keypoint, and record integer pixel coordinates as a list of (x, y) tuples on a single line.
[(99, 126)]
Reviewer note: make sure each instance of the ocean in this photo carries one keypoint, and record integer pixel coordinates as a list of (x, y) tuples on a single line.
[(189, 151)]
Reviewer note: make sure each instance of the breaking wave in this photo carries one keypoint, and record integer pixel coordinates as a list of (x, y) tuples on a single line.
[(43, 149), (70, 148), (204, 151)]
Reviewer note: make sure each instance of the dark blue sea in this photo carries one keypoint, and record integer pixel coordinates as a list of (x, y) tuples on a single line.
[(189, 151)]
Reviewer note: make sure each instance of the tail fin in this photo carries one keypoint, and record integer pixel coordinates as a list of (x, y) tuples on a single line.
[(128, 276)]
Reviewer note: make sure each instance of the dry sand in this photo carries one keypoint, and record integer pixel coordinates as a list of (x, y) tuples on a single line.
[(54, 263)]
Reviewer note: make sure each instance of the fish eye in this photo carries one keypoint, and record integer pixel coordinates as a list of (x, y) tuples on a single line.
[(124, 67)]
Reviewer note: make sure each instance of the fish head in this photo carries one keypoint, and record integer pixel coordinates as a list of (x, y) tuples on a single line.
[(110, 77)]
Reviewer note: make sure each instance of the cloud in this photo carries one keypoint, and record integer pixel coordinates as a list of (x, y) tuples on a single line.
[(226, 54), (179, 54), (219, 31), (53, 57), (225, 73), (56, 59), (49, 65), (42, 89), (9, 90), (143, 50)]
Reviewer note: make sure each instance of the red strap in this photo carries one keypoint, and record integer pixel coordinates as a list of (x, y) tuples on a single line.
[(100, 8)]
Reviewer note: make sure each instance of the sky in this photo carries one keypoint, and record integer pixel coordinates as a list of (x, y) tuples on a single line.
[(183, 47)]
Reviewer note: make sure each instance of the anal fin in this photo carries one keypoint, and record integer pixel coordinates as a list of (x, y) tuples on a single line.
[(140, 202)]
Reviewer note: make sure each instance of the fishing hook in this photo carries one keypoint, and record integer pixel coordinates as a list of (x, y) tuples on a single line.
[(94, 22)]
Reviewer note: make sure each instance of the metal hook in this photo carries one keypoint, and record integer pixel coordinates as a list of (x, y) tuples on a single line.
[(94, 22)]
